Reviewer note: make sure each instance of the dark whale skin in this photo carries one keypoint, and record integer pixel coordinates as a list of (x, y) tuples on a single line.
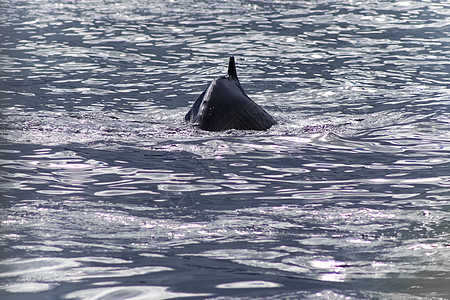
[(224, 105)]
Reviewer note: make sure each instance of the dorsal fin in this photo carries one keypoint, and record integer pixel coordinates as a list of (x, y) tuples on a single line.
[(232, 68)]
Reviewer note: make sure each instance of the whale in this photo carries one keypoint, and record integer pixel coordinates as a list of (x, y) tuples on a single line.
[(224, 105)]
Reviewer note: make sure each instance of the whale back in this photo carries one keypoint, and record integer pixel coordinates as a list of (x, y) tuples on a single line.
[(224, 105)]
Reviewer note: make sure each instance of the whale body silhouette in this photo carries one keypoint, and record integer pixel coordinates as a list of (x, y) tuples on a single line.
[(224, 105)]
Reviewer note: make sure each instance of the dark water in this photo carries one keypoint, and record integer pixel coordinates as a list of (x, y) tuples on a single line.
[(107, 194)]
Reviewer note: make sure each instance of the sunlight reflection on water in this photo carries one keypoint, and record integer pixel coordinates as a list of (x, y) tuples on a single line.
[(107, 193)]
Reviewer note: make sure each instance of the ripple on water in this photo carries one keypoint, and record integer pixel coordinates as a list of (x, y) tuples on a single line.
[(131, 292), (104, 184), (40, 274), (249, 285)]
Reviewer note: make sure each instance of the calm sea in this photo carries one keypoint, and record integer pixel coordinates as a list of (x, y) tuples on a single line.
[(106, 193)]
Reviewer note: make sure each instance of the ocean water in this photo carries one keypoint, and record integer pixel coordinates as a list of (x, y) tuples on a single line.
[(106, 193)]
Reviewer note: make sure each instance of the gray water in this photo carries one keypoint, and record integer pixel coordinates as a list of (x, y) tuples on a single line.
[(106, 193)]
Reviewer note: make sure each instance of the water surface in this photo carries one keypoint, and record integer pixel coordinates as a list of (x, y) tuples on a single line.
[(107, 194)]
